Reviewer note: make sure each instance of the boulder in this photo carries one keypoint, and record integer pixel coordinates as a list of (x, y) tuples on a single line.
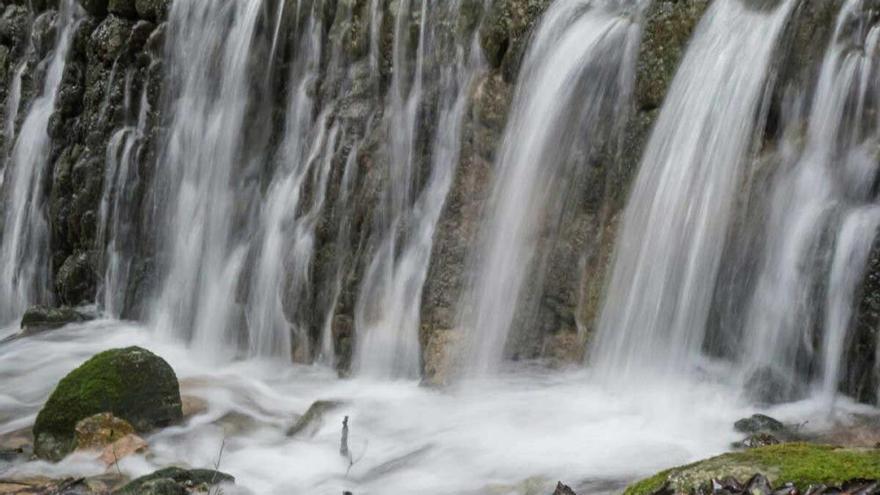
[(173, 480), (759, 423), (793, 466), (132, 383)]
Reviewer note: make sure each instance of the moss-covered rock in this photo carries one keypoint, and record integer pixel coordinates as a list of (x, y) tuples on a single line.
[(152, 10), (173, 480), (132, 383), (801, 464)]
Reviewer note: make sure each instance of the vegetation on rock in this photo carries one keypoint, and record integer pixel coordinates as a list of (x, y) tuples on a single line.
[(132, 383), (801, 464)]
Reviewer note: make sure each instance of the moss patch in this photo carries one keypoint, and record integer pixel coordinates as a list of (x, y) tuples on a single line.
[(798, 463), (132, 383)]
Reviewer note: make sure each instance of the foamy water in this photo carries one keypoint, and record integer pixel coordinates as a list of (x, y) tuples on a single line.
[(518, 432)]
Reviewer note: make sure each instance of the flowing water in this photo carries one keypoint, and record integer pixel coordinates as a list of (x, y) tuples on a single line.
[(508, 434), (681, 207), (822, 214), (578, 72), (388, 308), (267, 238), (24, 252), (197, 178)]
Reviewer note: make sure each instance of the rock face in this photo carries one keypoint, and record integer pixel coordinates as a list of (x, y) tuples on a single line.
[(132, 383)]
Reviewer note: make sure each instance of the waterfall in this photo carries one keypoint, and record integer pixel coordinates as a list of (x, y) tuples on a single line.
[(573, 87), (24, 252), (305, 138), (682, 203), (117, 213), (388, 316), (210, 71), (822, 213), (12, 107)]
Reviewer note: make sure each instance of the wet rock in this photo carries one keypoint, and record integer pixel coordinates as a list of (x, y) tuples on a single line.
[(110, 38), (45, 30), (95, 7), (129, 444), (442, 358), (309, 423), (132, 383), (756, 440), (758, 423), (76, 279), (123, 8), (175, 480), (99, 431), (40, 318), (14, 25), (562, 489), (769, 386), (193, 406), (505, 32), (342, 329), (152, 10), (668, 26)]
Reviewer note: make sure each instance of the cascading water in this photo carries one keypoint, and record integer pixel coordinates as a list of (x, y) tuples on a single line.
[(388, 316), (575, 81), (13, 103), (209, 48), (822, 211), (24, 256), (116, 215), (682, 203)]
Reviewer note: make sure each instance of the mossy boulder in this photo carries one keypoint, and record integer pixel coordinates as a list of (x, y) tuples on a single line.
[(132, 383), (173, 480), (800, 464)]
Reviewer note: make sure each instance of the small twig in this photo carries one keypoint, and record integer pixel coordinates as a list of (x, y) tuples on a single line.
[(115, 458), (214, 489)]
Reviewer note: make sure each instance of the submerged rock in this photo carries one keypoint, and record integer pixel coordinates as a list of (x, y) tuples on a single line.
[(132, 383), (790, 467), (309, 423), (175, 480)]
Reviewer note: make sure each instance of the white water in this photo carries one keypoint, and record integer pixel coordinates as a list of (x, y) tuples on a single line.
[(826, 194), (13, 102), (485, 436), (578, 71), (388, 313), (24, 256), (681, 206), (116, 217), (199, 190)]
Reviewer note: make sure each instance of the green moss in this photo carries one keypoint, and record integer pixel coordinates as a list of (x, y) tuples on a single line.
[(798, 463), (132, 383)]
